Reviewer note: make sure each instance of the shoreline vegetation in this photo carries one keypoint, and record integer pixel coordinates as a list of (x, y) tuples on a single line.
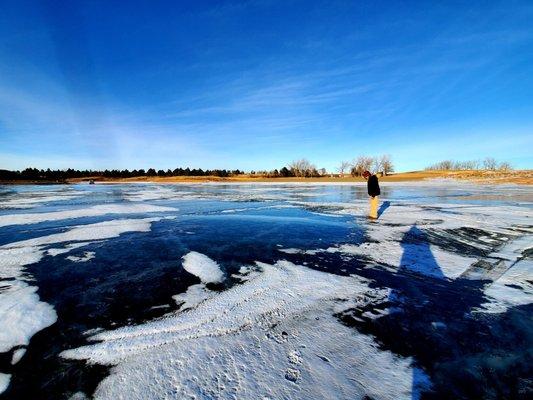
[(521, 177), (488, 171)]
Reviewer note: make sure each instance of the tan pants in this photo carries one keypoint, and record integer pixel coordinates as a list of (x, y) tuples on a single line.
[(373, 207)]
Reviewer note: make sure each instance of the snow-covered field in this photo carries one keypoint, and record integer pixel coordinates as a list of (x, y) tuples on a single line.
[(208, 291)]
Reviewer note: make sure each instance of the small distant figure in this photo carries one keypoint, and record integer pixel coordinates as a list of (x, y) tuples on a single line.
[(91, 182), (373, 192)]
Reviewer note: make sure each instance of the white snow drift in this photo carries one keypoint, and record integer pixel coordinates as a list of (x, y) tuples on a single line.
[(203, 267), (271, 337)]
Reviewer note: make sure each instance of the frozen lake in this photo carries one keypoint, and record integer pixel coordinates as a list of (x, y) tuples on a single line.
[(266, 291)]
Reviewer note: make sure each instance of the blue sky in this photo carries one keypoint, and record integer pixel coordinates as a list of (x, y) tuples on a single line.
[(256, 84)]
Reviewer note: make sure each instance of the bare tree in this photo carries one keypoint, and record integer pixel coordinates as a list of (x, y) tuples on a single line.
[(343, 168), (322, 172), (376, 165), (386, 164), (505, 166), (302, 167), (489, 164), (361, 164)]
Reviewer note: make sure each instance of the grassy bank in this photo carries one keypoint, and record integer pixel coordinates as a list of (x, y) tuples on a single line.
[(489, 177)]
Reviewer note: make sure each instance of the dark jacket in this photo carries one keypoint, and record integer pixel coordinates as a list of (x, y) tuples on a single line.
[(373, 186)]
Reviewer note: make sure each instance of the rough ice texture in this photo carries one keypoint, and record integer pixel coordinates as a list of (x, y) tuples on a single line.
[(94, 211), (22, 314), (515, 286), (4, 382), (203, 267), (271, 337)]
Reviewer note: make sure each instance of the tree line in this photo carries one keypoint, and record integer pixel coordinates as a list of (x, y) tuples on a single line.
[(488, 164), (299, 168), (34, 174)]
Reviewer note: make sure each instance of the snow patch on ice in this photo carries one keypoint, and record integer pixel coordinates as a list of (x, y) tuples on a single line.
[(22, 314), (87, 255), (17, 356), (194, 295), (4, 382), (69, 247), (94, 211), (154, 193), (244, 342), (203, 267)]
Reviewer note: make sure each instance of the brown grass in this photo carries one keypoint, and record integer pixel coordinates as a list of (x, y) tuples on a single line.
[(524, 177)]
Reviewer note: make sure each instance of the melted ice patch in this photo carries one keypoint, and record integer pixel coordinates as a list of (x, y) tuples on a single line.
[(203, 267), (272, 336)]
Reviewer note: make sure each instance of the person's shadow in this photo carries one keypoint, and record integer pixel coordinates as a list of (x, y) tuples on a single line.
[(417, 256), (434, 320), (383, 207)]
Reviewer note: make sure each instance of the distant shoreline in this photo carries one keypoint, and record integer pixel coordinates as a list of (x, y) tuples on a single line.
[(524, 177)]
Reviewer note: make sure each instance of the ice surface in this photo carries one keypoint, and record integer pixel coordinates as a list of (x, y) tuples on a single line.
[(144, 193), (31, 199), (203, 267), (514, 288), (273, 336), (89, 232), (22, 314), (413, 257), (94, 211)]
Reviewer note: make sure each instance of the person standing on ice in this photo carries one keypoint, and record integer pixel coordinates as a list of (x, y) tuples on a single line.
[(373, 192)]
